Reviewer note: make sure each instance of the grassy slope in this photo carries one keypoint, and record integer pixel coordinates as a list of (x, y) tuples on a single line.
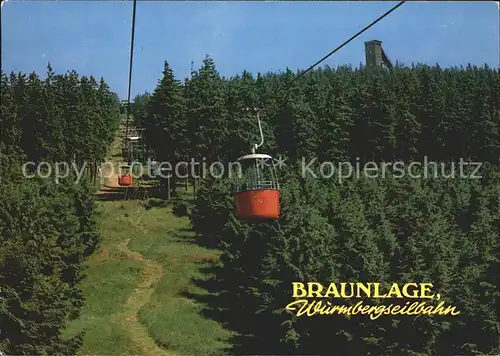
[(172, 319), (136, 284)]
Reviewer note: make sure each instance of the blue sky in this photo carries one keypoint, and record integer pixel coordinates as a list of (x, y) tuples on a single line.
[(93, 37)]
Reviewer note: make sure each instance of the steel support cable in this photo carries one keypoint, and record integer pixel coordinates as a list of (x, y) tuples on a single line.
[(381, 17), (130, 68), (129, 90), (387, 13)]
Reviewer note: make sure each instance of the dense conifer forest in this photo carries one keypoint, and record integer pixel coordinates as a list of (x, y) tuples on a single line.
[(442, 229), (48, 228)]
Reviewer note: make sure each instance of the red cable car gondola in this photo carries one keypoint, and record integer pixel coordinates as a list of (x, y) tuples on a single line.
[(125, 179), (257, 193)]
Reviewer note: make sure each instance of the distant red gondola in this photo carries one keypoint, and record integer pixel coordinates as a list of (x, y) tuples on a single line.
[(125, 179)]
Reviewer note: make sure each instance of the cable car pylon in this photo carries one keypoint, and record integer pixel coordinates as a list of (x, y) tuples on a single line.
[(257, 194)]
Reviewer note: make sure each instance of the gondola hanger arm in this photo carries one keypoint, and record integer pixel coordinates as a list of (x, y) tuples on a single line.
[(255, 146)]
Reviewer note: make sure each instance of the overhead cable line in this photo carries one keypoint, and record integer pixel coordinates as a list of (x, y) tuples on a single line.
[(130, 67), (352, 38), (334, 51), (381, 17)]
